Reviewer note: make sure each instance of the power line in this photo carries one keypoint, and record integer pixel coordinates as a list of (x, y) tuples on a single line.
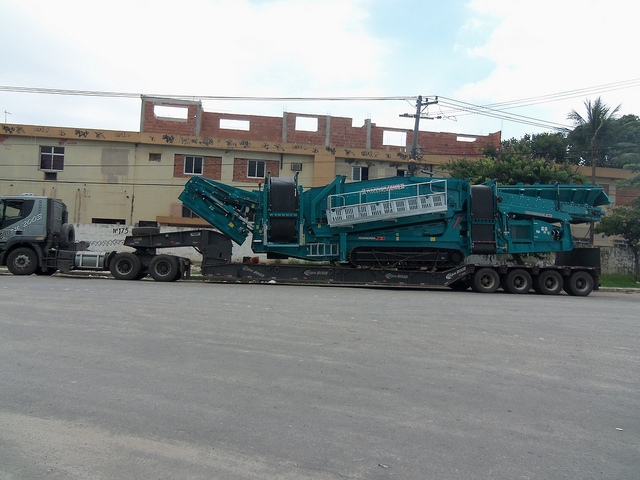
[(507, 104), (469, 108), (456, 107), (497, 110), (106, 94)]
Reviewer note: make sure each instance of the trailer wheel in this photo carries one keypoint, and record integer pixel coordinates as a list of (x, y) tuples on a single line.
[(518, 281), (164, 268), (548, 282), (580, 284), (22, 261), (485, 280), (125, 266)]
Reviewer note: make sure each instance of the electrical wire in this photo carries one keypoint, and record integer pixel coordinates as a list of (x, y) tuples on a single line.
[(453, 107), (497, 110), (90, 93)]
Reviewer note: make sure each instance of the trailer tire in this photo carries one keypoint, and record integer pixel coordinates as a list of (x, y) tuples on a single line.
[(548, 282), (22, 261), (579, 284), (485, 280), (125, 266), (164, 268), (518, 281)]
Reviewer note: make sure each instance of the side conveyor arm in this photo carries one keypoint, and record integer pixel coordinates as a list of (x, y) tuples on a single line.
[(223, 206)]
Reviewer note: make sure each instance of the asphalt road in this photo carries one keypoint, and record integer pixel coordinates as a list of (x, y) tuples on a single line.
[(106, 379)]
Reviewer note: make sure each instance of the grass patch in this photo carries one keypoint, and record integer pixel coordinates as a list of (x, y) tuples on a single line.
[(619, 281)]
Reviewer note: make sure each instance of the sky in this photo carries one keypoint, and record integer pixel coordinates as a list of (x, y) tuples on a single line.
[(513, 66)]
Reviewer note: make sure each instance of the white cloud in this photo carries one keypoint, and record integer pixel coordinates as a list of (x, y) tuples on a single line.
[(548, 46), (226, 47), (484, 51)]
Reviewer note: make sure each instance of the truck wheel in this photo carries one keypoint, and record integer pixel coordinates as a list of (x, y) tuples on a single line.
[(164, 268), (580, 284), (67, 235), (125, 266), (22, 261), (518, 281), (548, 282), (485, 280)]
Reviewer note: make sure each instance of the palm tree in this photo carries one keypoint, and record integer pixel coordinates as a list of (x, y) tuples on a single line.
[(589, 133)]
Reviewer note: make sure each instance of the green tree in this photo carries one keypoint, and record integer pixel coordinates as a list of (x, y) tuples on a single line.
[(550, 146), (624, 221), (516, 161), (589, 140), (625, 142), (589, 137)]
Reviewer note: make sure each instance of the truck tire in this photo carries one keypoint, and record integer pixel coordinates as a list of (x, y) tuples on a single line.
[(548, 282), (67, 235), (579, 284), (518, 281), (164, 268), (125, 266), (485, 280), (22, 261)]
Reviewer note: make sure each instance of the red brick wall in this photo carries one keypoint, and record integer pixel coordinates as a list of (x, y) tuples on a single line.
[(212, 167), (265, 129), (341, 132), (302, 137), (153, 124), (439, 143), (240, 166)]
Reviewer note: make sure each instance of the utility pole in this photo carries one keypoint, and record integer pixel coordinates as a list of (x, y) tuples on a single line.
[(594, 167), (420, 107)]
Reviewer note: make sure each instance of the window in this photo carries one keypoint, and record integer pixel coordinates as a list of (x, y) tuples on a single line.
[(401, 173), (193, 165), (360, 173), (255, 169), (188, 213), (155, 157), (394, 138), (307, 124), (171, 112), (228, 124), (52, 159), (12, 211)]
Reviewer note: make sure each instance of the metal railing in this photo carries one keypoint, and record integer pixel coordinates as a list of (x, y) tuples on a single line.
[(386, 203)]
